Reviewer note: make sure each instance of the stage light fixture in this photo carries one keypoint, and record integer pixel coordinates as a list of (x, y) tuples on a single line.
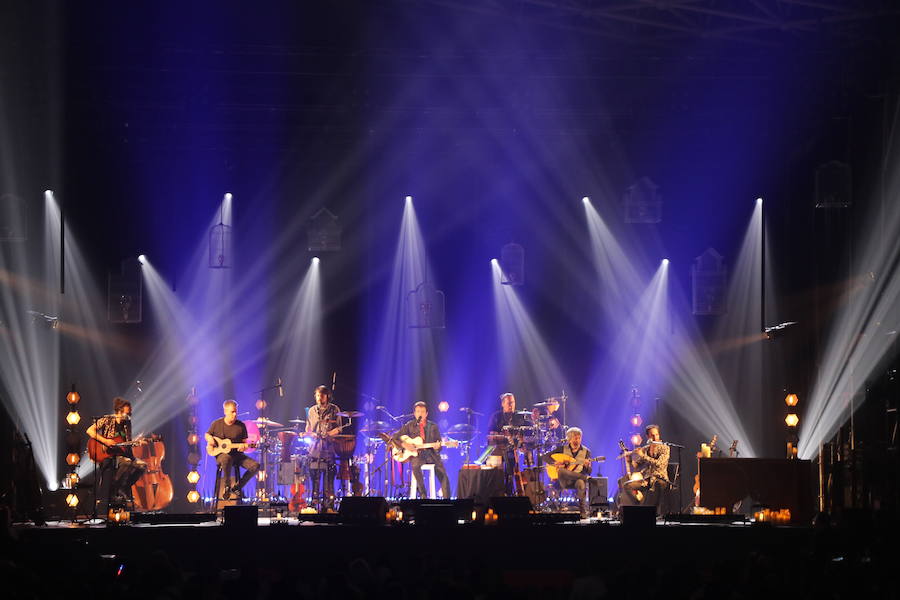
[(759, 200), (261, 404), (586, 200), (636, 420), (193, 439), (73, 458), (142, 258), (73, 418), (72, 500), (323, 232), (409, 199), (117, 514), (193, 477), (193, 496), (665, 262), (73, 397), (228, 196), (443, 406), (315, 260), (636, 440), (792, 419), (791, 400)]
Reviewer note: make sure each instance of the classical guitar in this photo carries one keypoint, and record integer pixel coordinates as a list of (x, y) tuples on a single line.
[(630, 484), (402, 454), (224, 445), (98, 451), (565, 461)]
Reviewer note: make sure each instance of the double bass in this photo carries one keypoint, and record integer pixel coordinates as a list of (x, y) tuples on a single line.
[(153, 491)]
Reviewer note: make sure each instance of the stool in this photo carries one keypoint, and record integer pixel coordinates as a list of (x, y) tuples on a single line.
[(427, 471), (217, 486)]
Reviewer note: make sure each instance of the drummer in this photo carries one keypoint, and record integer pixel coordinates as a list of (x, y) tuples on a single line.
[(322, 424)]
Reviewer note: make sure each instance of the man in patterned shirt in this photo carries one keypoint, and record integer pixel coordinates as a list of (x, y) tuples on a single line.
[(654, 465), (110, 430), (322, 424)]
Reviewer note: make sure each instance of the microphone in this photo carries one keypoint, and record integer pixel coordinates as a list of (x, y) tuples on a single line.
[(280, 388), (418, 420), (333, 380)]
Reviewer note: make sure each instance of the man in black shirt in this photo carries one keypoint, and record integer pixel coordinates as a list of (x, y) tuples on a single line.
[(498, 430), (231, 428), (421, 427)]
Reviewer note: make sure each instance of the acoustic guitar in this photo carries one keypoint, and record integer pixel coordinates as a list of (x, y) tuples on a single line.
[(402, 454), (225, 445), (98, 451), (566, 461)]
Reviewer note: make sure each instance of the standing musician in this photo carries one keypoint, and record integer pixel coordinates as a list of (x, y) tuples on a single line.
[(322, 423), (573, 473), (231, 428), (110, 430), (505, 417), (420, 427), (653, 462)]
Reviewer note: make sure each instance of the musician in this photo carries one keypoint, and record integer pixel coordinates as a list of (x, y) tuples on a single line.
[(573, 475), (231, 428), (322, 423), (653, 462), (420, 426), (506, 416), (110, 430)]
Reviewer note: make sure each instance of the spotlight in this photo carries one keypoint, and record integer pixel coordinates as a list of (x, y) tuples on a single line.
[(48, 194), (792, 420), (409, 199), (494, 261), (586, 200), (443, 406), (759, 200), (73, 418), (228, 196), (791, 400), (665, 262), (193, 496), (142, 258), (193, 477), (315, 260)]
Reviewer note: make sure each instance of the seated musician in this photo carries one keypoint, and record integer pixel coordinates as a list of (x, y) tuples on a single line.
[(574, 472), (233, 429), (322, 424), (419, 430), (653, 462), (108, 431)]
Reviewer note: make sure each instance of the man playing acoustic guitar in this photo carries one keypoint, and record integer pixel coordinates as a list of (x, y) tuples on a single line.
[(109, 432), (418, 432), (572, 463), (229, 433)]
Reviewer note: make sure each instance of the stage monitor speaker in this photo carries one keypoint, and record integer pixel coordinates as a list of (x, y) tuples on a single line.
[(363, 510), (638, 516), (511, 508), (438, 512), (240, 517), (598, 491)]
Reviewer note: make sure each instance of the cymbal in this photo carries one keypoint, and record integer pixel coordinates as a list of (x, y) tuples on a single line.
[(351, 414), (464, 428), (264, 422), (297, 421), (376, 427), (523, 412), (542, 404)]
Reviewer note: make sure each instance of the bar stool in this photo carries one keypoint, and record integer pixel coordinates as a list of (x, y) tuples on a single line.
[(427, 471), (218, 487)]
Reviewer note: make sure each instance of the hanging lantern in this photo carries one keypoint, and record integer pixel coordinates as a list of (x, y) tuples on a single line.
[(193, 496), (73, 458), (73, 418), (193, 477)]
